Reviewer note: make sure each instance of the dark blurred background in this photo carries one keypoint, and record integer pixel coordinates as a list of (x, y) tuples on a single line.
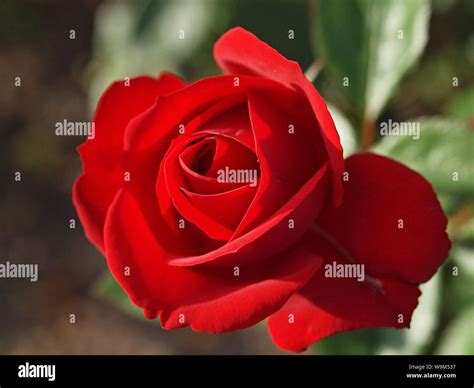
[(61, 78)]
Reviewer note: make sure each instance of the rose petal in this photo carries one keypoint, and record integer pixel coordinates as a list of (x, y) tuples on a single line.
[(161, 123), (150, 135), (209, 301), (380, 195), (215, 214), (231, 139), (230, 150), (286, 226), (240, 52), (198, 183), (170, 194), (364, 230), (287, 159), (328, 306), (226, 208), (103, 175)]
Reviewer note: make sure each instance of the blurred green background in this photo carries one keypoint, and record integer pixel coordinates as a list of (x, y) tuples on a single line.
[(405, 60)]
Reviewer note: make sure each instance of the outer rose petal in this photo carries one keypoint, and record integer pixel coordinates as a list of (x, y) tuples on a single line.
[(365, 230), (379, 195), (328, 306), (160, 125), (103, 175), (240, 52), (210, 301)]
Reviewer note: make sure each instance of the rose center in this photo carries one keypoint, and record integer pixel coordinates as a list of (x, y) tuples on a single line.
[(205, 158), (223, 158)]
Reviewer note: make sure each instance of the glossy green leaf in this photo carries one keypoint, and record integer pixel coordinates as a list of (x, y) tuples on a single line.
[(371, 44), (458, 337), (443, 154)]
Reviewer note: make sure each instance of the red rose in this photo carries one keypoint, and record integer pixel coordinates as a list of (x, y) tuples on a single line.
[(223, 202)]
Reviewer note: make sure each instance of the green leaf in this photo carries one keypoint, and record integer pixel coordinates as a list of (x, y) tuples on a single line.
[(443, 154), (345, 130), (146, 14), (464, 259), (458, 337), (459, 280), (462, 105), (372, 43), (108, 289)]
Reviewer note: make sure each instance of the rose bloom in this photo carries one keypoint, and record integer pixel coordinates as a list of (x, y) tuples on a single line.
[(224, 254)]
